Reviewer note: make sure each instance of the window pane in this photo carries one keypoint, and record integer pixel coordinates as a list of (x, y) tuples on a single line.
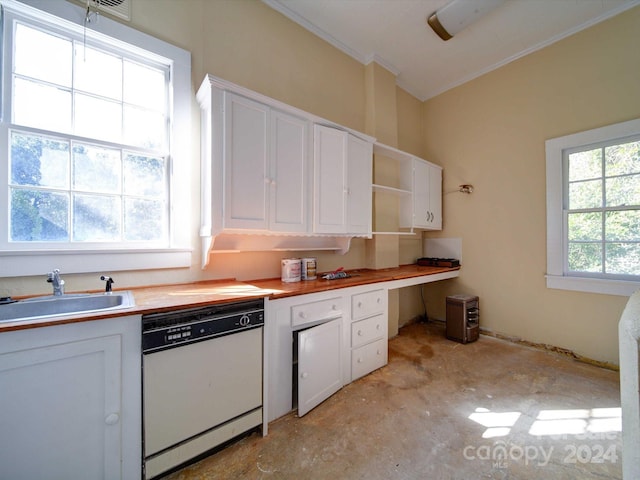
[(623, 225), (144, 220), (37, 160), (623, 191), (145, 86), (96, 218), (98, 72), (144, 176), (585, 165), (585, 226), (42, 56), (39, 216), (98, 118), (585, 257), (41, 106), (585, 194), (623, 258), (623, 159), (96, 169), (144, 128)]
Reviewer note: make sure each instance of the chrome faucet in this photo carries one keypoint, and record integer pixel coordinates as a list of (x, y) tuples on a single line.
[(57, 282)]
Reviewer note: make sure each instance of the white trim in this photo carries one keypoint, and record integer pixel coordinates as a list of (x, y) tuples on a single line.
[(304, 23), (37, 263), (178, 254), (365, 59), (592, 285), (556, 277)]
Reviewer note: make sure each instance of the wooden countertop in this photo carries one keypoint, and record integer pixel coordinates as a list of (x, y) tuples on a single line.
[(179, 296)]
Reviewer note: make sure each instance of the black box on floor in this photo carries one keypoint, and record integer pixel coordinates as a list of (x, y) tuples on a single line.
[(463, 318)]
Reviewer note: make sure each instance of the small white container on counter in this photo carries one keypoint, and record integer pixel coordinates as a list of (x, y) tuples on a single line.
[(291, 270)]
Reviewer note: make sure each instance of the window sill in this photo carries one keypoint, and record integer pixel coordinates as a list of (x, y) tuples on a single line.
[(25, 263), (592, 285)]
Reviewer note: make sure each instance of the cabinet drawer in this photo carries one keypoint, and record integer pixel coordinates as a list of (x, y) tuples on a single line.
[(368, 358), (316, 311), (366, 304), (367, 330)]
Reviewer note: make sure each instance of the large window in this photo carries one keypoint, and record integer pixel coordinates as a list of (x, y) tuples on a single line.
[(90, 126), (593, 210)]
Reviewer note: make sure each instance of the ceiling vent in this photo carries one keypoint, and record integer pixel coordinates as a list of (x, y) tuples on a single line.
[(117, 8)]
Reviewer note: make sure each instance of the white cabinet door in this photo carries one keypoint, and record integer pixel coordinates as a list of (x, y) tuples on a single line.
[(288, 179), (342, 182), (435, 196), (69, 406), (426, 202), (319, 364), (330, 154), (246, 174), (421, 206), (359, 175)]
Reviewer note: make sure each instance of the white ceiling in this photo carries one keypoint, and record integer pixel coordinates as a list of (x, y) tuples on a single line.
[(395, 34)]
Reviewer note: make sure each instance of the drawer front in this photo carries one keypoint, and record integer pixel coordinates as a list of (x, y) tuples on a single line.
[(316, 311), (367, 330), (366, 304), (368, 358)]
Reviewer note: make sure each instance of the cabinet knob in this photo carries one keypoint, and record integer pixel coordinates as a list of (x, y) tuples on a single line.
[(304, 375), (359, 333), (377, 326), (302, 315), (359, 304), (378, 300), (112, 419), (378, 352), (359, 360), (334, 307)]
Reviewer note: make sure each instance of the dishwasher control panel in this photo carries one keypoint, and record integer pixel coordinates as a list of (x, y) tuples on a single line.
[(161, 331)]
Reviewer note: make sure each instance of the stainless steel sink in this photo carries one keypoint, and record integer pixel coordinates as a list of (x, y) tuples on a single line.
[(55, 306)]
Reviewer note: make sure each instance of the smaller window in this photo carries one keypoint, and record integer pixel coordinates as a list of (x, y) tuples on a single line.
[(593, 210)]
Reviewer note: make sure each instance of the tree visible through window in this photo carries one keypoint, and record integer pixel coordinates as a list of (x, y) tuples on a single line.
[(88, 142), (602, 205)]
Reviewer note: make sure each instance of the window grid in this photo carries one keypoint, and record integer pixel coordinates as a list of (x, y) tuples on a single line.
[(152, 152), (604, 210)]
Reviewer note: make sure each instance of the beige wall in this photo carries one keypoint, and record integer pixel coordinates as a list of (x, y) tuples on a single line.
[(490, 132), (248, 43)]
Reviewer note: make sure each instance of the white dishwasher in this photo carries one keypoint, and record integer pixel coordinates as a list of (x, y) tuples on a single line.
[(201, 379)]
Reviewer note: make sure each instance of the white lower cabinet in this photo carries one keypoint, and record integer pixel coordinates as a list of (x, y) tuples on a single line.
[(68, 405), (368, 358), (318, 342), (319, 369), (369, 332)]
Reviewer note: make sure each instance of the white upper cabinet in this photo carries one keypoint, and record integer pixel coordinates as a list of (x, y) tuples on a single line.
[(424, 208), (359, 173), (246, 163), (342, 182), (289, 177), (259, 188), (417, 186), (265, 165)]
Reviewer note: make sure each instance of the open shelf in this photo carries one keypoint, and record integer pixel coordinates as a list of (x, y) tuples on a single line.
[(386, 189)]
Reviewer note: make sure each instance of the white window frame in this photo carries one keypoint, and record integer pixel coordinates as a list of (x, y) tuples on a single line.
[(556, 276), (21, 262)]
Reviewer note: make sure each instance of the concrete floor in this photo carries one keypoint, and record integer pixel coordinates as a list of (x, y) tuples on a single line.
[(442, 410)]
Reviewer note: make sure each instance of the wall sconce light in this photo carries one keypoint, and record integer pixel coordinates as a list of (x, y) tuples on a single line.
[(457, 15), (466, 188)]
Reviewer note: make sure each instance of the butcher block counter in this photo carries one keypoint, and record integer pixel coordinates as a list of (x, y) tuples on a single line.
[(180, 296)]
